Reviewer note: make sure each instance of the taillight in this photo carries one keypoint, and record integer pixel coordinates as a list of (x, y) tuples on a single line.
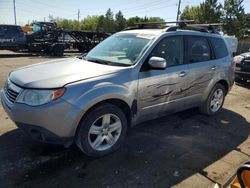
[(233, 64)]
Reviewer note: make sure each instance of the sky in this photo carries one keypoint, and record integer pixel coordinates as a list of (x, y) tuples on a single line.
[(29, 10)]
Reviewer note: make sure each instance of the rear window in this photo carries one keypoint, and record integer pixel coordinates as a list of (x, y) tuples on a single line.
[(197, 49), (220, 48)]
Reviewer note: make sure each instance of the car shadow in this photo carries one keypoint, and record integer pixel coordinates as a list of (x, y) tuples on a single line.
[(245, 85), (157, 153)]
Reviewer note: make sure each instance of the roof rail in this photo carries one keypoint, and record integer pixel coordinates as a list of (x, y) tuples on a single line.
[(207, 28), (155, 25), (181, 25)]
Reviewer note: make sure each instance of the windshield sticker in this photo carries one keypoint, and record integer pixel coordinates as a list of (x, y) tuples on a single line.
[(146, 36)]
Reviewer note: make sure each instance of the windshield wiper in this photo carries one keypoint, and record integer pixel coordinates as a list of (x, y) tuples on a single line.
[(107, 62), (97, 61)]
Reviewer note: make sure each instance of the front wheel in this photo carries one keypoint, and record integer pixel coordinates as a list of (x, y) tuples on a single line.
[(102, 130), (215, 100)]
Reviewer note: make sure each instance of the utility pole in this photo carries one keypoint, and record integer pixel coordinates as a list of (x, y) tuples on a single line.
[(78, 15), (178, 11), (14, 3), (78, 18)]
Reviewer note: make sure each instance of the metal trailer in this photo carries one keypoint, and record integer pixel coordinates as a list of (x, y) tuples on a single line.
[(53, 40), (47, 37), (85, 40)]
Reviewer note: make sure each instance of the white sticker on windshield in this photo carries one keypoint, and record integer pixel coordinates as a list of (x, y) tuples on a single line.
[(146, 36)]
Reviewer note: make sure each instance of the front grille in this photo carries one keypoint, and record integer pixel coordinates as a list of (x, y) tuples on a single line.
[(11, 95), (245, 65), (12, 91)]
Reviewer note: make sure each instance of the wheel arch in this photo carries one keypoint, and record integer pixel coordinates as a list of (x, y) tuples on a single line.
[(211, 86), (225, 84), (124, 106)]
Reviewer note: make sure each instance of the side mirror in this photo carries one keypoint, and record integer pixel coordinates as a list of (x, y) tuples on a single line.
[(157, 63)]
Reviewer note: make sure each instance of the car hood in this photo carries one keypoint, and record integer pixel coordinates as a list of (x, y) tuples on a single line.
[(57, 73), (247, 54)]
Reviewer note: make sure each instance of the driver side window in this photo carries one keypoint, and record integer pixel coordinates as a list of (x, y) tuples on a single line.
[(171, 49)]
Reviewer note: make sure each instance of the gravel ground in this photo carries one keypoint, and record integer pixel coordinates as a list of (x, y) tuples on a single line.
[(186, 149)]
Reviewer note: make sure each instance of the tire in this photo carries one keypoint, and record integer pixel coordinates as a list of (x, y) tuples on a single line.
[(94, 136), (209, 109), (58, 50)]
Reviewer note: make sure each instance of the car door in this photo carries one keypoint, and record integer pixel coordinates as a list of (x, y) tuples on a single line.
[(161, 90), (202, 66)]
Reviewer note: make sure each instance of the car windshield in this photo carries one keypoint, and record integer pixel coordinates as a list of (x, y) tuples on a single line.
[(120, 49), (36, 28)]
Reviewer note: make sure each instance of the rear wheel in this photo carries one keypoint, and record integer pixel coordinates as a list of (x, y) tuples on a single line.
[(102, 130), (58, 50), (215, 100)]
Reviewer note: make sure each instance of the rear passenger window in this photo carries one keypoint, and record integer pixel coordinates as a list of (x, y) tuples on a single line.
[(197, 49), (220, 48)]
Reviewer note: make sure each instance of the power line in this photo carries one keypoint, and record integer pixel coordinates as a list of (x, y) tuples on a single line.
[(151, 10), (145, 5), (142, 8), (51, 6)]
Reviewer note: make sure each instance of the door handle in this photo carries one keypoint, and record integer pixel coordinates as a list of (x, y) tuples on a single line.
[(213, 68), (182, 74)]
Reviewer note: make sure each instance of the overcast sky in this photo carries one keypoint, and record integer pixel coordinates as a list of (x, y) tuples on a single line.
[(28, 10)]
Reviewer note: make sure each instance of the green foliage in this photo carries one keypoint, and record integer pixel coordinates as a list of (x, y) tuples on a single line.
[(120, 21), (232, 15), (104, 23), (89, 23), (191, 13), (234, 18), (209, 11)]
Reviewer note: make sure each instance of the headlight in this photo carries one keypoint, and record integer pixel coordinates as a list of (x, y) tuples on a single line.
[(34, 97), (238, 59)]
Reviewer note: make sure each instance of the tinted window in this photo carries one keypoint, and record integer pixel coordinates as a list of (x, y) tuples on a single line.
[(197, 49), (171, 49), (220, 48), (10, 30), (1, 30)]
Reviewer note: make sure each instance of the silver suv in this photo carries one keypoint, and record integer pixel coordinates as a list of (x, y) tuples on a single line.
[(131, 77)]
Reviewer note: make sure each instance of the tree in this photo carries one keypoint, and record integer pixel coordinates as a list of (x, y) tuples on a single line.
[(131, 21), (109, 23), (104, 23), (101, 24), (155, 19), (209, 11), (89, 23), (120, 21), (234, 18), (191, 13)]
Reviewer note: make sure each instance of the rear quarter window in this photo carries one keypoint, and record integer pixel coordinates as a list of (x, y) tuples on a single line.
[(220, 48), (197, 49)]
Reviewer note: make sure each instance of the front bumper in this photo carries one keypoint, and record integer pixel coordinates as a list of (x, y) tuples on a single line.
[(55, 122), (241, 74)]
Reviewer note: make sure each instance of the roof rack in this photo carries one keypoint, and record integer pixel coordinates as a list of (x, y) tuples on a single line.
[(155, 25), (180, 25), (206, 28)]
